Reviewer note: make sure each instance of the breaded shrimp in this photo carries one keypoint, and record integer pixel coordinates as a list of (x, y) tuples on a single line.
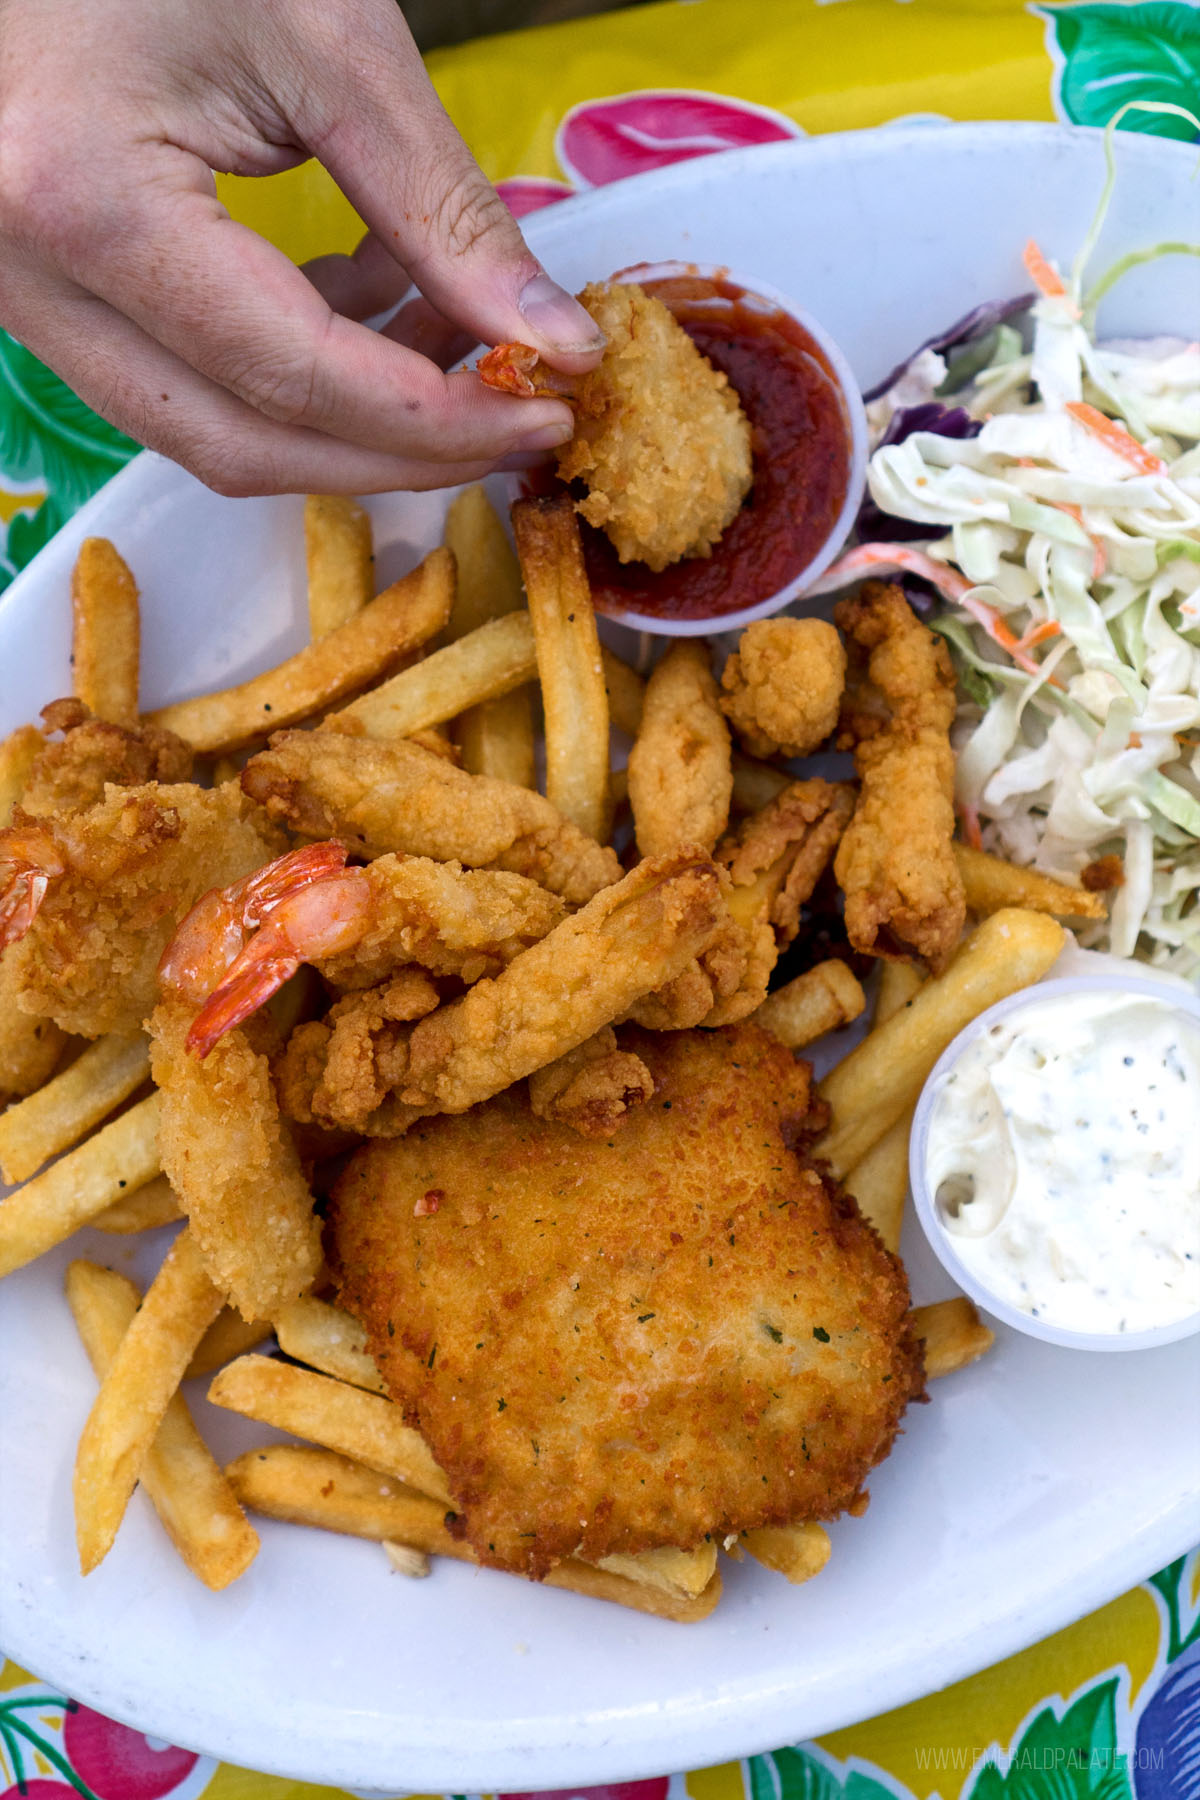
[(71, 774), (661, 442), (783, 685)]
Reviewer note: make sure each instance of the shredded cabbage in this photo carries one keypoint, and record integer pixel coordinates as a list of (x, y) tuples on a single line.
[(1074, 516)]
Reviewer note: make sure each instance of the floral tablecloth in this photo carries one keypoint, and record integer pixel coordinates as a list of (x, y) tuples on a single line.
[(1108, 1709)]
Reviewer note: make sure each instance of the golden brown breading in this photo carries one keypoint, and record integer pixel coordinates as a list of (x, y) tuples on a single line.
[(630, 939), (396, 796), (783, 685), (680, 774), (450, 920), (592, 1087), (895, 863), (661, 442), (771, 864), (73, 773), (231, 1160), (620, 1344), (348, 1065), (134, 865)]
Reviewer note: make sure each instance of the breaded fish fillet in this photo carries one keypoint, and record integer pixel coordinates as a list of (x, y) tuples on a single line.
[(617, 1344)]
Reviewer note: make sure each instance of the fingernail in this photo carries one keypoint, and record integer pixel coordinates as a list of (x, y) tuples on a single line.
[(546, 437), (556, 318)]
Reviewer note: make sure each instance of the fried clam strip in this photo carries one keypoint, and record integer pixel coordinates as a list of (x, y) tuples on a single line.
[(135, 1391), (680, 778), (94, 896), (71, 773), (307, 1486), (231, 1161), (398, 797), (349, 658), (771, 865), (185, 1486), (895, 863), (633, 937), (592, 1087)]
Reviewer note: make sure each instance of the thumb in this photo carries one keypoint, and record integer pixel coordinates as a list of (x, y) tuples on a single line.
[(400, 161)]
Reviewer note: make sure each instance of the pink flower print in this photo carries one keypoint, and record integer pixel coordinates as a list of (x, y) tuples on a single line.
[(602, 140)]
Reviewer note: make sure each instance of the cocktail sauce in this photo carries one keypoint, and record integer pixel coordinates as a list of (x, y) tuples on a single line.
[(801, 450)]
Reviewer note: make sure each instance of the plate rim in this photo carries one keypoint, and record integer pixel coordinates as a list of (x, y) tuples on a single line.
[(1175, 1530)]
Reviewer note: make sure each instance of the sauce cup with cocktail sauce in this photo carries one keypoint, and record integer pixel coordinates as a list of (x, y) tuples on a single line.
[(810, 459)]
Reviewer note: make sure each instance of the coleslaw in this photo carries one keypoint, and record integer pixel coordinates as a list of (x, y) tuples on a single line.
[(1059, 482)]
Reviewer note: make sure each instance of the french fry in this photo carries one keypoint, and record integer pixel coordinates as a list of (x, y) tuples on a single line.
[(351, 657), (106, 638), (797, 1552), (626, 691), (18, 753), (755, 784), (820, 1000), (147, 1208), (30, 1048), (123, 1155), (329, 1339), (495, 737), (314, 1487), (568, 657), (684, 1573), (186, 1487), (954, 1335), (180, 1304), (493, 660), (228, 1336), (363, 1426), (65, 1110), (873, 1086), (879, 1182), (340, 558), (990, 883)]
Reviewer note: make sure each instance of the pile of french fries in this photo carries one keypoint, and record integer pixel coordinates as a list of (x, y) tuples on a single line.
[(84, 1144)]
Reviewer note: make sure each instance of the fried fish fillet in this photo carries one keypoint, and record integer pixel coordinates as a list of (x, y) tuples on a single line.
[(895, 863), (613, 1345)]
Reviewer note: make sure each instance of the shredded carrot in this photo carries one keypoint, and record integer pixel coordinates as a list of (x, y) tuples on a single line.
[(1037, 634), (877, 559), (1120, 442), (1043, 277), (971, 828), (1099, 553)]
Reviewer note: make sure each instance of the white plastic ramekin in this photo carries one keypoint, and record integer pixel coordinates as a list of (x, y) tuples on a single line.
[(760, 294), (942, 1241)]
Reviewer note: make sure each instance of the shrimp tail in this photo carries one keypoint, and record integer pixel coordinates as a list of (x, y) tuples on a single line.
[(248, 986), (517, 369), (29, 861)]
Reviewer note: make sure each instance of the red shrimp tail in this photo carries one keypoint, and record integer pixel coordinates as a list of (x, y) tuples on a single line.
[(249, 984), (19, 903), (517, 369), (269, 886)]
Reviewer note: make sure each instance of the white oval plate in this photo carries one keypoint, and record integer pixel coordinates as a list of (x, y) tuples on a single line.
[(1036, 1484)]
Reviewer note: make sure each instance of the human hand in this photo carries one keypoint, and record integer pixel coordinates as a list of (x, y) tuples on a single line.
[(119, 267)]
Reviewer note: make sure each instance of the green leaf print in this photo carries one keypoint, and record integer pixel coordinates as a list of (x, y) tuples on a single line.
[(48, 434), (795, 1775), (1109, 54), (1074, 1757)]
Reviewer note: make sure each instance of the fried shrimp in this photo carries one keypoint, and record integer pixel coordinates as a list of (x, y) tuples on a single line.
[(680, 773), (661, 442), (618, 1344), (895, 863), (783, 684), (71, 774), (95, 895), (396, 796)]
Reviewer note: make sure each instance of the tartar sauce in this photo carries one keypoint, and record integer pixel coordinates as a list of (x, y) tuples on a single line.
[(1064, 1160)]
